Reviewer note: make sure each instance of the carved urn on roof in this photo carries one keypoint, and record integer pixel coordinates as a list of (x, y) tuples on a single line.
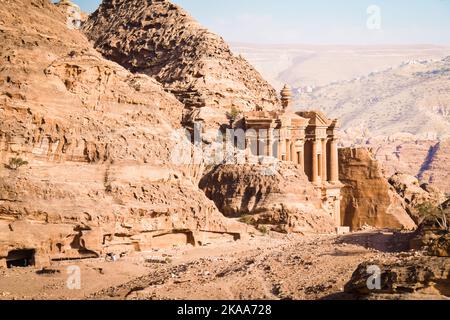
[(286, 96)]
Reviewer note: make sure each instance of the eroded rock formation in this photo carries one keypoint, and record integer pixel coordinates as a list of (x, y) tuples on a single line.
[(279, 196), (94, 146), (435, 168), (160, 39), (417, 278), (417, 196), (367, 197)]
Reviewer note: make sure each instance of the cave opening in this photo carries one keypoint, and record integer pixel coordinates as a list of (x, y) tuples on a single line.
[(20, 258)]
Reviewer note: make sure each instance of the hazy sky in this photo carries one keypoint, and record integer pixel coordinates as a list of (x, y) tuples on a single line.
[(321, 21)]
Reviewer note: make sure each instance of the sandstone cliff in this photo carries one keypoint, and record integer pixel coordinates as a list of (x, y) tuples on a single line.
[(280, 197), (417, 197), (94, 144), (426, 159), (368, 199), (160, 39)]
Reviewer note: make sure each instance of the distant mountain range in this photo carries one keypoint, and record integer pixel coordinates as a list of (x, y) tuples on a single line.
[(411, 99), (304, 66)]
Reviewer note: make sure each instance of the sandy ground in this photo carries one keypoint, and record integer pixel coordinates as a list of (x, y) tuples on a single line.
[(267, 267)]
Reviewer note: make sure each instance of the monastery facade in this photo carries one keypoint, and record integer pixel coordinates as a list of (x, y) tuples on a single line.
[(307, 138)]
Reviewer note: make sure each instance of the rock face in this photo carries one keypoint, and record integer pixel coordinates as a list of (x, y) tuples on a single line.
[(416, 278), (368, 199), (94, 144), (435, 169), (409, 99), (284, 199), (426, 159), (158, 38), (432, 239), (416, 195)]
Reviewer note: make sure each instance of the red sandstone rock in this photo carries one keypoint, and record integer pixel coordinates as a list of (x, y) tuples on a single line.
[(160, 39), (285, 200), (368, 199), (97, 142)]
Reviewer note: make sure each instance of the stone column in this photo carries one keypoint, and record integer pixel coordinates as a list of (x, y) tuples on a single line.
[(288, 150), (269, 143), (315, 164), (337, 211), (248, 147), (324, 161), (301, 161), (334, 159), (282, 147), (293, 153)]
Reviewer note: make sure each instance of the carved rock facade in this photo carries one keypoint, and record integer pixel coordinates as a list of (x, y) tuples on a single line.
[(96, 142)]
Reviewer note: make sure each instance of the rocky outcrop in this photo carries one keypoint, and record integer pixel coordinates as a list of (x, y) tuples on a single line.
[(367, 197), (85, 150), (426, 158), (435, 169), (435, 241), (160, 39), (416, 196), (408, 278), (278, 196)]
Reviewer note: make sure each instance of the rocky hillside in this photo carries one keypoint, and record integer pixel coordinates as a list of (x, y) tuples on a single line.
[(422, 158), (160, 39), (436, 167), (310, 66), (413, 98), (402, 113), (277, 197), (85, 149)]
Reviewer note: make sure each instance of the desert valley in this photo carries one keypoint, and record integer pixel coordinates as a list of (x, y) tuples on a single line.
[(143, 157)]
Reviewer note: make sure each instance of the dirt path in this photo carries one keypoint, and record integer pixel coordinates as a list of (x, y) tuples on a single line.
[(275, 267)]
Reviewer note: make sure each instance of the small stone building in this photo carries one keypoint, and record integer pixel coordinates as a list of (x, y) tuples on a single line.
[(307, 138)]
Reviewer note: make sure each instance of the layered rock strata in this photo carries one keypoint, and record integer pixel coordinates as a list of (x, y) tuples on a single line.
[(85, 150), (160, 39)]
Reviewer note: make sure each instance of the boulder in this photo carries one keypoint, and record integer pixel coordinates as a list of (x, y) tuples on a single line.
[(408, 278), (367, 197), (417, 196), (278, 196)]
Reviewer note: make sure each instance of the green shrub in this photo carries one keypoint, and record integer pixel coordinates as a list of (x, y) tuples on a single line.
[(436, 214), (263, 229), (247, 219), (233, 114), (16, 163)]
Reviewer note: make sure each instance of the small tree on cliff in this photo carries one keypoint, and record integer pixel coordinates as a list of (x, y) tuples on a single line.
[(16, 163), (437, 214), (232, 115)]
